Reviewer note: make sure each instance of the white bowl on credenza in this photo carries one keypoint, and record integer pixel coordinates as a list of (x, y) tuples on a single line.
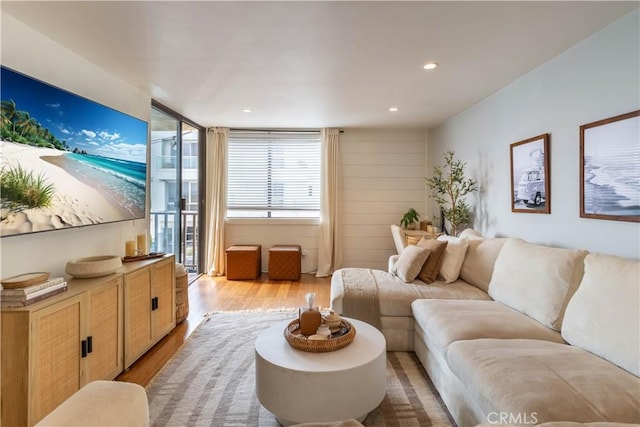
[(93, 266)]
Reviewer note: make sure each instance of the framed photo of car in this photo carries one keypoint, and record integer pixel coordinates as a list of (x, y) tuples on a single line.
[(609, 172), (530, 180)]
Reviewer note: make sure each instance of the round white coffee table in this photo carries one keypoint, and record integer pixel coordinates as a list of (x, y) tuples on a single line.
[(299, 386)]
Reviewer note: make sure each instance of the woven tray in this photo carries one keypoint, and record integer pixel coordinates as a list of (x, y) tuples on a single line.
[(297, 340), (142, 257)]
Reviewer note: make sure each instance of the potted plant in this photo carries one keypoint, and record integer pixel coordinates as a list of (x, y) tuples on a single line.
[(448, 186), (409, 218)]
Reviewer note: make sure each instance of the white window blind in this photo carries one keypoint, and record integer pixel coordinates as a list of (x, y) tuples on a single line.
[(273, 175)]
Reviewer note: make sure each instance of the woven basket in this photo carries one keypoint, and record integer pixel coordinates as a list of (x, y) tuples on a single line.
[(182, 298), (300, 342)]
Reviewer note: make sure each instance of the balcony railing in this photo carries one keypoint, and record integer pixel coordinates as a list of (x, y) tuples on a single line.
[(169, 162), (163, 237)]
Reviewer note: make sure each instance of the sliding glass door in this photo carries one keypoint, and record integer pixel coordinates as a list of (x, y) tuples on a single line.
[(175, 187)]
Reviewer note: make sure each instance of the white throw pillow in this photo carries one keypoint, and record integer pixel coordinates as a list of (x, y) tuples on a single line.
[(410, 262), (603, 317), (453, 257), (536, 280)]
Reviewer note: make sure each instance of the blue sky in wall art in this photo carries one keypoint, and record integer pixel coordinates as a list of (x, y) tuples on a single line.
[(82, 123)]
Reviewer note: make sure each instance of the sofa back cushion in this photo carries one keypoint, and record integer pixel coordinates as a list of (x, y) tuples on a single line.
[(481, 255), (603, 317), (537, 280)]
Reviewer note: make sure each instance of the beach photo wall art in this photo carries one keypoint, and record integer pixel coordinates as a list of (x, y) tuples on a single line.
[(530, 180), (66, 161), (609, 171)]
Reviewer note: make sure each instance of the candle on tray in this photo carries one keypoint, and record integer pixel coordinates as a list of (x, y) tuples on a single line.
[(142, 244), (129, 248)]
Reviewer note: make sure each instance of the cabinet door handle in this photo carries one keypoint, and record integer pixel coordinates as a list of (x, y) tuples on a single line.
[(89, 344), (157, 303), (84, 348), (154, 303)]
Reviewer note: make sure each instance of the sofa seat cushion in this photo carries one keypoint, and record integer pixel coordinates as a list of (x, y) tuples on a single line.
[(396, 300), (551, 381), (395, 296), (449, 321)]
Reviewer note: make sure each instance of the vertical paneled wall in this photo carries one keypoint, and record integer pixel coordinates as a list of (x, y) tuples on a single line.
[(383, 176)]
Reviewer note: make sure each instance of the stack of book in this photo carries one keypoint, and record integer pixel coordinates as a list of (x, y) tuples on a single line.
[(20, 297)]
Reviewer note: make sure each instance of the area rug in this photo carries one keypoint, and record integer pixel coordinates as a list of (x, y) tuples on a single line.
[(210, 381)]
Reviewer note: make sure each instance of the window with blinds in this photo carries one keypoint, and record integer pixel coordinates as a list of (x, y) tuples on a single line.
[(273, 175)]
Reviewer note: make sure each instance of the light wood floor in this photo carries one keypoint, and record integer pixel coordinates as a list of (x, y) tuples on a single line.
[(209, 294)]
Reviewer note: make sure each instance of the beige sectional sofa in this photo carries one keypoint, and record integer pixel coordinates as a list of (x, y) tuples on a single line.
[(527, 334)]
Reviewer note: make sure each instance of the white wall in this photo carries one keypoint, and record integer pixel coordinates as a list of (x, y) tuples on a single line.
[(383, 176), (27, 51), (595, 79)]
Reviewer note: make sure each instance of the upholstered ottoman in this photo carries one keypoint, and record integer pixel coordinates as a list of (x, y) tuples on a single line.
[(285, 262), (244, 262), (102, 403)]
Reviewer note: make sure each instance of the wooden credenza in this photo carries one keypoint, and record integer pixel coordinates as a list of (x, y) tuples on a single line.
[(149, 305), (53, 347), (42, 347)]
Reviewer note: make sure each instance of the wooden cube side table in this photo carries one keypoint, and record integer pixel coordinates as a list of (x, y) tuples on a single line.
[(244, 262), (285, 262)]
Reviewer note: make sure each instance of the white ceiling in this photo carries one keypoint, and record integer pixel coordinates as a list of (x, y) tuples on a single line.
[(317, 64)]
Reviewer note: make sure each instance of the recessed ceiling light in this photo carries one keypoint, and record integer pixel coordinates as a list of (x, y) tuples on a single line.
[(393, 109), (430, 66), (247, 110)]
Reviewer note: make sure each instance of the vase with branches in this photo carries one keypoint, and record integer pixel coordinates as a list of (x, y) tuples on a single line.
[(448, 186)]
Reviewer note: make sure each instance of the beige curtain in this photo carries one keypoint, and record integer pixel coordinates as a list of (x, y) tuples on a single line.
[(330, 236), (216, 202)]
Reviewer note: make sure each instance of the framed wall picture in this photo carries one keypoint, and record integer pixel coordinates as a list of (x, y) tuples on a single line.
[(530, 179), (609, 168), (67, 161)]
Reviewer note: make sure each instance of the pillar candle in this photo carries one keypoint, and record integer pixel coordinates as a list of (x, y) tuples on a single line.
[(142, 244), (130, 248)]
